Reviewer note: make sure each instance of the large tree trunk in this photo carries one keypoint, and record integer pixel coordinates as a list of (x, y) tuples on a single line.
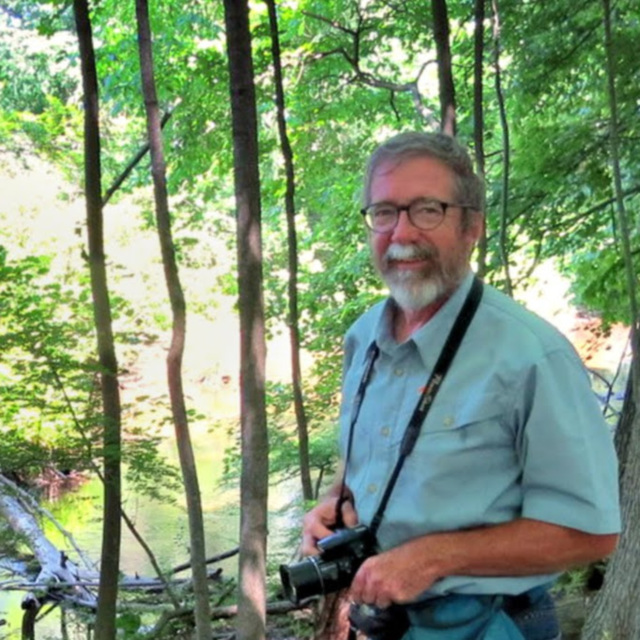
[(111, 526), (292, 248), (616, 613), (254, 480), (447, 90)]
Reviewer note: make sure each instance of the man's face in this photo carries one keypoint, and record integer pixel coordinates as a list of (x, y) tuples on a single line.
[(420, 266)]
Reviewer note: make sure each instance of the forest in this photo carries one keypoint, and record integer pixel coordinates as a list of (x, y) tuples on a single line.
[(204, 160)]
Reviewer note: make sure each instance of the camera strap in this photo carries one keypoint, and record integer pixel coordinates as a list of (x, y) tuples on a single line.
[(372, 354), (449, 350)]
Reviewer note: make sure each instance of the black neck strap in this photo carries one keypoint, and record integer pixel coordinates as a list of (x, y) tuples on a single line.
[(454, 339)]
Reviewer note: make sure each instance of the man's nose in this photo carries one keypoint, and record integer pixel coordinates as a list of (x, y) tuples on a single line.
[(405, 231)]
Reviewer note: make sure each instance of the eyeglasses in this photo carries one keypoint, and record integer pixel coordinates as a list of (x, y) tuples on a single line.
[(424, 213)]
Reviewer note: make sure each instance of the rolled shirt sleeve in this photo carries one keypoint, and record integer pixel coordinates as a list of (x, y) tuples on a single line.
[(569, 475)]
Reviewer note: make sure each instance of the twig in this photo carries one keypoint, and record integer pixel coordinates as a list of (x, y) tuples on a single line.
[(221, 556)]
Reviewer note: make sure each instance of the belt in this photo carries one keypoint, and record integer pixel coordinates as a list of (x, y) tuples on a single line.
[(514, 605)]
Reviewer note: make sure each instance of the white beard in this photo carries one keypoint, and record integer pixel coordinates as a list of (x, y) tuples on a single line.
[(413, 296), (415, 290)]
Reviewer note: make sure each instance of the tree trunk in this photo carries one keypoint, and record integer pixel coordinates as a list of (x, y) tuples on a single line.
[(506, 152), (111, 526), (445, 74), (478, 117), (616, 613), (251, 621), (292, 248), (176, 350)]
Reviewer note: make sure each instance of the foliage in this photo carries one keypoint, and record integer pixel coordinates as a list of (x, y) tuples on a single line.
[(47, 381), (355, 73), (49, 410)]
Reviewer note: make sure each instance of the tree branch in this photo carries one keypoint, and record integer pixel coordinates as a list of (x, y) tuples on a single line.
[(118, 182)]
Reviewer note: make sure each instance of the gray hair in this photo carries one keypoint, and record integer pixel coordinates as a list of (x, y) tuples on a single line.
[(469, 188)]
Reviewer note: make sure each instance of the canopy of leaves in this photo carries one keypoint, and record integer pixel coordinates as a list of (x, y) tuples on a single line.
[(354, 72)]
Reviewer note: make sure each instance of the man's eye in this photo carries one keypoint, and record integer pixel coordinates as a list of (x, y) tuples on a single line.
[(384, 212), (426, 209)]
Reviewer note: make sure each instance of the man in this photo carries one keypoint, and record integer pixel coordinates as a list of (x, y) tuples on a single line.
[(513, 477)]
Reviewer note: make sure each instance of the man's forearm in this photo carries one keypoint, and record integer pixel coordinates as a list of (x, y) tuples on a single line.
[(521, 547)]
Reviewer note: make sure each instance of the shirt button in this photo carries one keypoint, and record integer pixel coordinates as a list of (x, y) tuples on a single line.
[(385, 431), (372, 488), (399, 372), (448, 421)]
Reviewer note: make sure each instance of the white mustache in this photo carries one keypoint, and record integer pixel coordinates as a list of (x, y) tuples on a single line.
[(397, 251)]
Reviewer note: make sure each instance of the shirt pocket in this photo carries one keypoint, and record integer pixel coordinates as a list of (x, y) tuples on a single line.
[(470, 423)]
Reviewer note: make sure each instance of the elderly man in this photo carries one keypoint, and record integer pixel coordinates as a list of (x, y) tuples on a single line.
[(512, 478)]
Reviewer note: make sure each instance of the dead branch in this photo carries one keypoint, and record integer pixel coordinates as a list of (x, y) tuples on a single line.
[(217, 558)]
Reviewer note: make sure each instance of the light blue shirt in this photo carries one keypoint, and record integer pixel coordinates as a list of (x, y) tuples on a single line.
[(515, 431)]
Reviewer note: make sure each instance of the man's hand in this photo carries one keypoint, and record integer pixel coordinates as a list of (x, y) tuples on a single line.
[(396, 576), (320, 521)]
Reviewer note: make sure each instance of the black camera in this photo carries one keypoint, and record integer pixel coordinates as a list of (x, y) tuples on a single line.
[(341, 555)]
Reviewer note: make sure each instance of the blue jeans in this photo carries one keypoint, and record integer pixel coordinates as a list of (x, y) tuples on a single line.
[(534, 614), (530, 616)]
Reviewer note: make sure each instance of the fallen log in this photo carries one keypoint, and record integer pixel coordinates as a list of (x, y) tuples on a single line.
[(56, 568)]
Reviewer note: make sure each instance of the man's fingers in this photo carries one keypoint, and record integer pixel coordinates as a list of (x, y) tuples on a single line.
[(309, 547), (349, 515), (315, 531)]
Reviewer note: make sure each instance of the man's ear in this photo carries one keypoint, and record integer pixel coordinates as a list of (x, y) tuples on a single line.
[(475, 225)]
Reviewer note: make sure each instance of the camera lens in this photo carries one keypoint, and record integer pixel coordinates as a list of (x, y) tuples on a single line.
[(302, 579)]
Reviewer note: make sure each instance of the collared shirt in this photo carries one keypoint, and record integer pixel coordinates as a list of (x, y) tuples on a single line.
[(515, 431)]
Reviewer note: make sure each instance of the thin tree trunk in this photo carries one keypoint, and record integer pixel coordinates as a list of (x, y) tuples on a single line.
[(478, 117), (445, 74), (251, 622), (292, 248), (176, 349), (615, 613), (506, 153), (111, 526)]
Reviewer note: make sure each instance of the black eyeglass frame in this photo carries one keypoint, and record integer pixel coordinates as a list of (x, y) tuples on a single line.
[(445, 205)]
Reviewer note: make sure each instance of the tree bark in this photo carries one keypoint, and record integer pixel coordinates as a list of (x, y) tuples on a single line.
[(478, 117), (506, 152), (447, 90), (292, 249), (615, 613), (111, 528), (176, 350), (251, 623)]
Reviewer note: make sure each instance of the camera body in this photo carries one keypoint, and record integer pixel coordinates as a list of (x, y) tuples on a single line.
[(341, 555)]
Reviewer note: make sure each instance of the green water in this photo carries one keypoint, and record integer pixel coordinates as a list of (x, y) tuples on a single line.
[(163, 526)]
